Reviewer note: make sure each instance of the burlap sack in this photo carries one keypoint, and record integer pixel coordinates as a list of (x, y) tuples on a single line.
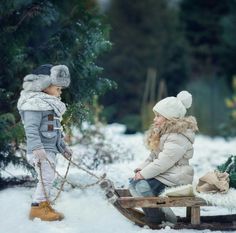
[(214, 182)]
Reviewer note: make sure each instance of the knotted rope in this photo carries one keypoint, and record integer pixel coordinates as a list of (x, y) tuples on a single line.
[(65, 180)]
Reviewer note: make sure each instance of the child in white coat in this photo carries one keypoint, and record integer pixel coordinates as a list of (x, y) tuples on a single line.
[(170, 141)]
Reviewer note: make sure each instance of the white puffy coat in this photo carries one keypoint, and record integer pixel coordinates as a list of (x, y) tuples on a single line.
[(170, 162)]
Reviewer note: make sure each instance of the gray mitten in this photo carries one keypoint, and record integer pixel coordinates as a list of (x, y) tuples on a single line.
[(68, 152)]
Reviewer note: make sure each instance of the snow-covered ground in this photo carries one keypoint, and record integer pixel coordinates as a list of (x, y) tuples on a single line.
[(88, 211)]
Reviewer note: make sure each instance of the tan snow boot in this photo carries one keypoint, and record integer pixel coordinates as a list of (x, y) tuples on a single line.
[(45, 212)]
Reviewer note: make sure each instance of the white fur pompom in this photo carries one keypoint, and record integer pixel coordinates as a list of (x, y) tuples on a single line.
[(186, 98)]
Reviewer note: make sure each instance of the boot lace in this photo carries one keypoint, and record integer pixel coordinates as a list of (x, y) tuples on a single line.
[(47, 207)]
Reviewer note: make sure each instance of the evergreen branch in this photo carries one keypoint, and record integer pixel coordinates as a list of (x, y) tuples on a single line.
[(33, 11)]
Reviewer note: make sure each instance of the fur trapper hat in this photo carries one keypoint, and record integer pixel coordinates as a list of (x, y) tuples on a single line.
[(46, 75), (174, 107)]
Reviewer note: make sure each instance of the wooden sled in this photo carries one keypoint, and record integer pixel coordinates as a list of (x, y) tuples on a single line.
[(127, 206)]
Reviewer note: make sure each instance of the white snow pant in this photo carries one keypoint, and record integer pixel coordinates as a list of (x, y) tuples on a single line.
[(48, 176)]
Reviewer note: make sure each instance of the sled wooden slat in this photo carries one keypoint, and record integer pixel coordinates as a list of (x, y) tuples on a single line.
[(188, 212), (133, 215), (155, 202), (123, 192), (214, 218), (210, 226), (195, 215), (127, 206)]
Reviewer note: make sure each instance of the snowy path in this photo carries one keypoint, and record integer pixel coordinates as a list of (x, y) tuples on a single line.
[(88, 211)]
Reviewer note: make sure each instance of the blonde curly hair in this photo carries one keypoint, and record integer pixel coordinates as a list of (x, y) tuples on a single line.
[(152, 138), (153, 135)]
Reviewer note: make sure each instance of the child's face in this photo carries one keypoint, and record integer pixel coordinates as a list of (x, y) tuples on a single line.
[(53, 90), (158, 120)]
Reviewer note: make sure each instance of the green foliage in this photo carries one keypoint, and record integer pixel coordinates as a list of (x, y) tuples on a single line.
[(132, 121), (208, 103), (95, 115), (7, 121), (10, 132), (228, 128), (203, 31), (230, 167), (47, 31), (210, 28), (228, 48), (145, 34), (54, 32)]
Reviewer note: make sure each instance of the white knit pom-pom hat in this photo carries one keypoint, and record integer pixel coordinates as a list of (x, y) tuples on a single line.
[(174, 107)]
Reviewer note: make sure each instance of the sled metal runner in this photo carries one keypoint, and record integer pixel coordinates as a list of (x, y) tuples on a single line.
[(127, 206)]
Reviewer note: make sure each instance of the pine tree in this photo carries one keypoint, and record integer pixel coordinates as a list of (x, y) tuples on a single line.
[(228, 48), (228, 128), (35, 32), (145, 34), (202, 21), (203, 30)]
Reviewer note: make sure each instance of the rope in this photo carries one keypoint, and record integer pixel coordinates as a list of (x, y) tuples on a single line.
[(62, 184), (72, 185), (78, 166), (63, 181), (99, 179)]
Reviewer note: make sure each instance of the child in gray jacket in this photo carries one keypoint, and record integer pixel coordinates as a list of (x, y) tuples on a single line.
[(41, 111)]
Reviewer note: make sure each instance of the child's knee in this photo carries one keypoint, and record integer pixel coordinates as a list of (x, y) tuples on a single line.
[(131, 187), (143, 188)]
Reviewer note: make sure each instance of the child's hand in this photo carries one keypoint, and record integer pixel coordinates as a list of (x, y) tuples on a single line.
[(137, 170), (138, 176), (68, 153)]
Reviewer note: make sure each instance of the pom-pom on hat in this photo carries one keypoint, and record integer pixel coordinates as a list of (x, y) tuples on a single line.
[(174, 107), (46, 75)]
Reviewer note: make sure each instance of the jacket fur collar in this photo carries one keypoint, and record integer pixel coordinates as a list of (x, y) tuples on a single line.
[(179, 125)]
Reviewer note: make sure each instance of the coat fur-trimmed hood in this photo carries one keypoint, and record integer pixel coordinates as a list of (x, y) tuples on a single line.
[(179, 125), (186, 126)]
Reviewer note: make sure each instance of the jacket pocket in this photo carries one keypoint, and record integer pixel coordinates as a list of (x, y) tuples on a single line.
[(49, 134)]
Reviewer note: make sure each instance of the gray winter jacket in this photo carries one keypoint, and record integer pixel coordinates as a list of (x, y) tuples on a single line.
[(43, 131)]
